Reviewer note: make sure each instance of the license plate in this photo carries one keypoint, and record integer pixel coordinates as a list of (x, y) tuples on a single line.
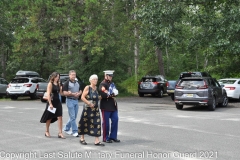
[(189, 95), (146, 85), (17, 87), (170, 91)]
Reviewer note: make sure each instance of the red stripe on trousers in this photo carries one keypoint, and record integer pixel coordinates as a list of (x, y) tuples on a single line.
[(104, 126)]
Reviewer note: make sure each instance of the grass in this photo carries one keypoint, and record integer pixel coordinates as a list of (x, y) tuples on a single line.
[(4, 99), (128, 87)]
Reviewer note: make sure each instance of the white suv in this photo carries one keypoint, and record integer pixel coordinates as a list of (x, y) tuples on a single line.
[(23, 86)]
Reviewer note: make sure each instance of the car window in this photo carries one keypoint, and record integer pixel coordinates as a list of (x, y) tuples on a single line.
[(4, 82), (191, 82), (227, 81), (182, 75), (212, 83), (216, 83), (20, 80), (149, 79), (34, 81), (41, 80)]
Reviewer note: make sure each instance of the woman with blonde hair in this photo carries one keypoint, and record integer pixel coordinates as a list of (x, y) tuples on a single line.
[(90, 121), (53, 102)]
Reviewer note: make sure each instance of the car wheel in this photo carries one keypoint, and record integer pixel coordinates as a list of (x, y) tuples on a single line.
[(212, 106), (140, 94), (172, 96), (33, 95), (224, 102), (160, 94), (178, 106), (14, 97)]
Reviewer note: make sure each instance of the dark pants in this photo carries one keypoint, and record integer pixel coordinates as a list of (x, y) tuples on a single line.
[(106, 115)]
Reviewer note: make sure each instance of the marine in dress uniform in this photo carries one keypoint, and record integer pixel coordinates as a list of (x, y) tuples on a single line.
[(108, 106)]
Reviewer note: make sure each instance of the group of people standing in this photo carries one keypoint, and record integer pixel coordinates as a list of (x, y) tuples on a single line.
[(90, 120)]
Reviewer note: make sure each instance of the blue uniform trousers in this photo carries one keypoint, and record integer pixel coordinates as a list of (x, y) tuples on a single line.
[(106, 115)]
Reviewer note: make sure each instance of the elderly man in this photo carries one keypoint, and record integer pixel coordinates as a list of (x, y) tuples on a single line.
[(72, 91), (108, 106)]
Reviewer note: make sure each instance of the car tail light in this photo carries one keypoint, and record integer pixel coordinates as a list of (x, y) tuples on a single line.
[(8, 86), (179, 87), (231, 88), (37, 86), (28, 85), (205, 86), (139, 82), (167, 84), (155, 82)]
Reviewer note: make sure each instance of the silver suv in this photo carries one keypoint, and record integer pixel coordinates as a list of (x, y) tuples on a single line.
[(204, 91), (23, 86)]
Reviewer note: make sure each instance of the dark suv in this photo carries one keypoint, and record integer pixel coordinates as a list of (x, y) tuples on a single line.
[(154, 85), (200, 91), (194, 74)]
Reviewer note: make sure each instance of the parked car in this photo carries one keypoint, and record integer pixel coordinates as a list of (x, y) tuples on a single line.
[(232, 87), (194, 74), (204, 91), (23, 86), (42, 88), (154, 85), (3, 87), (171, 88), (172, 83)]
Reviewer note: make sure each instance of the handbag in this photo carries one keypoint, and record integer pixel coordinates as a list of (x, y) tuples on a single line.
[(90, 100), (45, 96)]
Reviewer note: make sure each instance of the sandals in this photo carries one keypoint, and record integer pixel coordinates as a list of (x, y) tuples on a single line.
[(47, 134), (60, 135), (83, 142), (99, 144)]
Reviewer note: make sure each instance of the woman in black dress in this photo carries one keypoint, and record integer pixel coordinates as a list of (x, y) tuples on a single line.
[(53, 90), (90, 122)]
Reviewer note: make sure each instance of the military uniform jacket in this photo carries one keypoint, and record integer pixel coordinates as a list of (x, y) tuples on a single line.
[(107, 103)]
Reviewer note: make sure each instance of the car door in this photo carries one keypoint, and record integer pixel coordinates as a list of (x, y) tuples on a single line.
[(3, 86), (218, 90), (238, 87)]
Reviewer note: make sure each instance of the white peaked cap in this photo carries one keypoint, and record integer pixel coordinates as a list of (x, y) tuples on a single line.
[(109, 72)]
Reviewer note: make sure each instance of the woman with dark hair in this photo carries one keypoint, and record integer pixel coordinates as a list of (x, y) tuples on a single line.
[(53, 90)]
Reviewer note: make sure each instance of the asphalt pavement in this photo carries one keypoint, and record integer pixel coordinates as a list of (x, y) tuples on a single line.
[(149, 128)]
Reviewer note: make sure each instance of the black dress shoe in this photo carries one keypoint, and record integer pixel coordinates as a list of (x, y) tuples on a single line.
[(115, 140), (108, 141)]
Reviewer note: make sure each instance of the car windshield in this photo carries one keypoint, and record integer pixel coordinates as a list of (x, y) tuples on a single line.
[(20, 80), (189, 75), (227, 81), (149, 80), (190, 82)]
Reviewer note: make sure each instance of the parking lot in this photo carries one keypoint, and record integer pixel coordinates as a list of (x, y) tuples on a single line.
[(149, 128)]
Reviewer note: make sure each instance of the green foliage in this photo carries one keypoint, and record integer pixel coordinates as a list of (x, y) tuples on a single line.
[(129, 86), (91, 36)]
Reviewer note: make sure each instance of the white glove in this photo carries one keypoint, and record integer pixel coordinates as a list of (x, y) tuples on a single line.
[(115, 91)]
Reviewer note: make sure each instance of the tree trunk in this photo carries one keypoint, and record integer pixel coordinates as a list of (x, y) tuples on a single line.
[(160, 61), (63, 46), (3, 62), (136, 49), (206, 62), (196, 61)]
